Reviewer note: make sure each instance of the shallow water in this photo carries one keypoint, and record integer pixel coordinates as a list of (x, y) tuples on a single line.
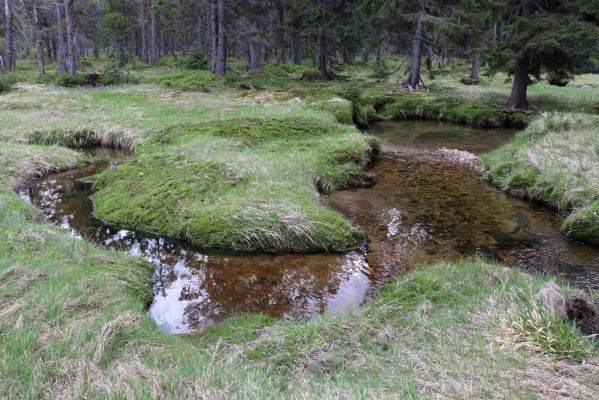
[(423, 209)]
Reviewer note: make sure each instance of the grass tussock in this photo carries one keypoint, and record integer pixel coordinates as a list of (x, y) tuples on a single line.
[(19, 162), (242, 184), (555, 161)]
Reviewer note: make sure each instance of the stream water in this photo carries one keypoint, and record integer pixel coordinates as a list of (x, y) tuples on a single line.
[(423, 209)]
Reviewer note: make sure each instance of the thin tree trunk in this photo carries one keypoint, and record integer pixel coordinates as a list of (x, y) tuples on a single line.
[(38, 43), (323, 66), (221, 51), (296, 45), (281, 33), (70, 56), (48, 47), (474, 71), (254, 55), (365, 55), (9, 49), (414, 79), (153, 35), (213, 34), (379, 57), (62, 68), (348, 57), (518, 97), (142, 26)]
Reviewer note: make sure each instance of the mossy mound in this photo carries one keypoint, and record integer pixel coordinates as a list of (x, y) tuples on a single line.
[(583, 224), (241, 184), (444, 107)]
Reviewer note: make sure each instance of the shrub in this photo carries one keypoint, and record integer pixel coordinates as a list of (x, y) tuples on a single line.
[(67, 80), (195, 60), (7, 82)]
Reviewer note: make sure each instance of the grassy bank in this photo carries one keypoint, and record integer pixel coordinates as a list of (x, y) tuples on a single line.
[(244, 183), (73, 325), (246, 169), (73, 322), (555, 161)]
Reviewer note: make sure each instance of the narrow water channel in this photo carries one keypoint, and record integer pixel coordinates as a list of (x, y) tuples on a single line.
[(423, 209)]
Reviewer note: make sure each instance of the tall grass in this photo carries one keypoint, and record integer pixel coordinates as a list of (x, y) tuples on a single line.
[(555, 160)]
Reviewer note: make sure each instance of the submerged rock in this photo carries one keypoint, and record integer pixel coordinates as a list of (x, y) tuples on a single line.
[(460, 157)]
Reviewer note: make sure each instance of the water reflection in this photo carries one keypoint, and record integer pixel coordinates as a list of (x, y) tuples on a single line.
[(423, 209)]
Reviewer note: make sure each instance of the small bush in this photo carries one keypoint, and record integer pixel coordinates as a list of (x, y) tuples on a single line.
[(195, 60), (67, 80), (198, 81), (7, 82)]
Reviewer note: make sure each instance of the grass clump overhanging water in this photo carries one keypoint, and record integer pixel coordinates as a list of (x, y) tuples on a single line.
[(242, 184), (451, 108), (555, 161)]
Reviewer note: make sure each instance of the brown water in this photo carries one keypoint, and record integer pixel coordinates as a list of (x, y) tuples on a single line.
[(423, 209)]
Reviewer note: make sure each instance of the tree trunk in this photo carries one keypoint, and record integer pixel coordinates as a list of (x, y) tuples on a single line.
[(323, 62), (70, 56), (142, 27), (296, 44), (365, 55), (475, 66), (9, 48), (518, 97), (153, 35), (62, 67), (281, 33), (221, 51), (414, 78), (348, 57), (254, 55), (38, 43), (213, 34), (379, 58), (48, 47)]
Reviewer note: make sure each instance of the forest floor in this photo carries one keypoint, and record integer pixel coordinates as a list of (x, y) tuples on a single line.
[(73, 321)]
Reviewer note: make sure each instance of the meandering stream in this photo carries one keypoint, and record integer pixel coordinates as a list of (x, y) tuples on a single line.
[(423, 209)]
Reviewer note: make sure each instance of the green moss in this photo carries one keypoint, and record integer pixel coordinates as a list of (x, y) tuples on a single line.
[(583, 224), (452, 108), (342, 109), (241, 184), (197, 80), (523, 179)]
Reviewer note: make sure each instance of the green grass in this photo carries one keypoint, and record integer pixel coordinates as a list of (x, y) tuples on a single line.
[(242, 184), (452, 108), (555, 161), (73, 325), (73, 322)]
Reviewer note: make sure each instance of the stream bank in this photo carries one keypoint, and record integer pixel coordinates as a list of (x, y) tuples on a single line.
[(423, 209)]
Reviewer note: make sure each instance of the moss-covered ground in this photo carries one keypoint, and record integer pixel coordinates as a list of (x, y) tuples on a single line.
[(241, 184)]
